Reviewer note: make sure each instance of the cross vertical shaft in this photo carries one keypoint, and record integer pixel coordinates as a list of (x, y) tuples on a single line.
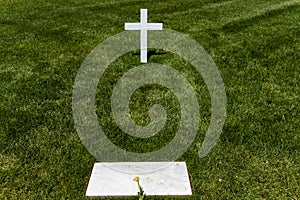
[(143, 36)]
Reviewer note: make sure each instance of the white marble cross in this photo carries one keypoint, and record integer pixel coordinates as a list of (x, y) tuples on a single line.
[(143, 26)]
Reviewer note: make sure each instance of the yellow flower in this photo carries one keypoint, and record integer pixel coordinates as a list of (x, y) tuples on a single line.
[(136, 179)]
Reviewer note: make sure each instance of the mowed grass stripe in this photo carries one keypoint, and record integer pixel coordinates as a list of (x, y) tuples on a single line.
[(236, 23), (236, 10)]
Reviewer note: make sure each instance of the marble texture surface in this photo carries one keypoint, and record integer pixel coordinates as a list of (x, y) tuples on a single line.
[(156, 178)]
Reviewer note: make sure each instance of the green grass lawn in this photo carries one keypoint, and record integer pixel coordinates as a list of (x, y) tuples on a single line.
[(255, 44)]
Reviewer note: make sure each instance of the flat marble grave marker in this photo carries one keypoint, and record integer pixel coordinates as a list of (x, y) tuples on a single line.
[(157, 178)]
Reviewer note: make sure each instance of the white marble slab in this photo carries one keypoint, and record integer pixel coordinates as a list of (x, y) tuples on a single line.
[(156, 178)]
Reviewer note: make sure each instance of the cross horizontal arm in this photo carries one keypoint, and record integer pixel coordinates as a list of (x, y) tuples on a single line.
[(137, 26), (132, 26), (154, 26)]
